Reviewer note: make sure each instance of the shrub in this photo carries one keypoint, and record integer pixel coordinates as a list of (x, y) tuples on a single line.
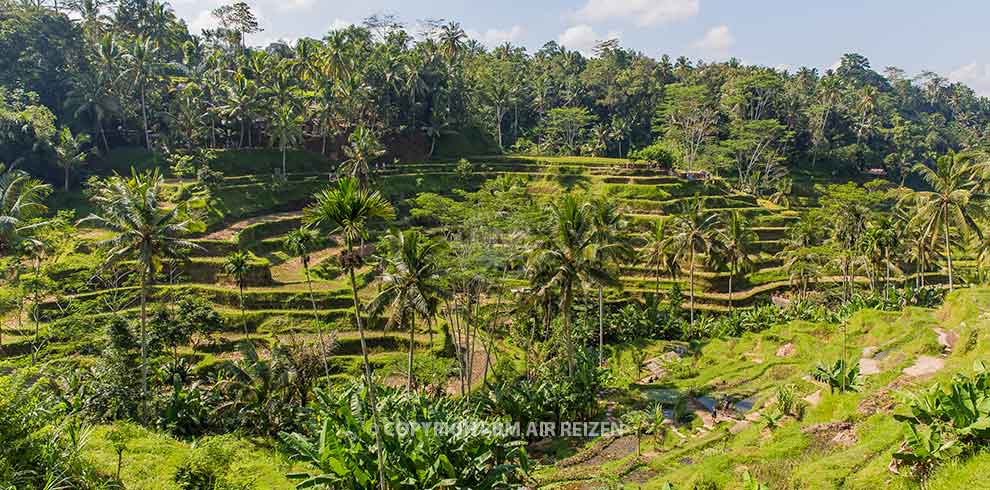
[(946, 421)]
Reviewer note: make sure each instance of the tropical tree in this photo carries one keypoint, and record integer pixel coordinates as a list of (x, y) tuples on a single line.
[(612, 248), (410, 284), (301, 242), (348, 209), (70, 152), (658, 252), (21, 200), (142, 68), (287, 130), (131, 208), (735, 241), (237, 266), (565, 258), (952, 204), (693, 232), (363, 149)]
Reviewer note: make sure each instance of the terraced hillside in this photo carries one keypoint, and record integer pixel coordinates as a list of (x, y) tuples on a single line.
[(255, 212), (731, 420)]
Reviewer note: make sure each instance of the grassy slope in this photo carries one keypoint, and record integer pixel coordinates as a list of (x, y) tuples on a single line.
[(788, 458)]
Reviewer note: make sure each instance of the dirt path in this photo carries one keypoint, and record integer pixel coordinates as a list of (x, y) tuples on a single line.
[(292, 270), (231, 231)]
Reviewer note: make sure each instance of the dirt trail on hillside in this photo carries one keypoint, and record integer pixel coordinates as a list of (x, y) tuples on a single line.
[(292, 270), (231, 231)]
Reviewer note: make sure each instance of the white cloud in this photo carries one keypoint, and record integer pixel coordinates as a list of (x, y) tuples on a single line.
[(642, 12), (717, 42), (286, 5), (583, 38), (975, 75), (339, 24), (495, 37), (203, 20)]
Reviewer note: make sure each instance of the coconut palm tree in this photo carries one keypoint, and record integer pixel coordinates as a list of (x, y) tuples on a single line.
[(951, 204), (348, 209), (287, 130), (735, 241), (565, 259), (300, 243), (143, 230), (21, 199), (612, 248), (71, 152), (410, 284), (693, 232), (142, 67), (363, 149), (90, 100), (237, 266), (658, 252)]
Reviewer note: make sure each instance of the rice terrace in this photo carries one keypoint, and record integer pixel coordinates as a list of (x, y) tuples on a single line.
[(255, 246)]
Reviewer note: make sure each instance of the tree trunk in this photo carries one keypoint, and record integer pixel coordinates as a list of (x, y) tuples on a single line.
[(316, 318), (144, 117), (601, 327), (66, 188), (692, 287), (240, 299), (367, 372), (285, 174), (37, 312), (144, 343), (568, 303), (412, 351), (732, 273), (948, 249)]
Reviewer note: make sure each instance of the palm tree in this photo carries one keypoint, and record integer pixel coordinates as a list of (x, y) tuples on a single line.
[(611, 248), (287, 130), (21, 199), (693, 232), (735, 240), (803, 265), (142, 68), (144, 230), (237, 266), (410, 283), (90, 99), (951, 204), (658, 252), (565, 258), (300, 243), (70, 152), (349, 208), (363, 149)]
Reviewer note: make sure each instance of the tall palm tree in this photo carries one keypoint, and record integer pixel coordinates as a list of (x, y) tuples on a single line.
[(70, 152), (364, 148), (90, 100), (410, 283), (130, 208), (658, 252), (565, 258), (693, 232), (237, 266), (300, 243), (287, 130), (348, 209), (142, 67), (612, 248), (951, 204), (735, 241)]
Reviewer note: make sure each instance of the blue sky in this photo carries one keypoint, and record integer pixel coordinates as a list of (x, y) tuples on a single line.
[(949, 37)]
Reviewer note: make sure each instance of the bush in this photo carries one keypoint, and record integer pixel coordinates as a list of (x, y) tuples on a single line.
[(659, 154), (208, 467)]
